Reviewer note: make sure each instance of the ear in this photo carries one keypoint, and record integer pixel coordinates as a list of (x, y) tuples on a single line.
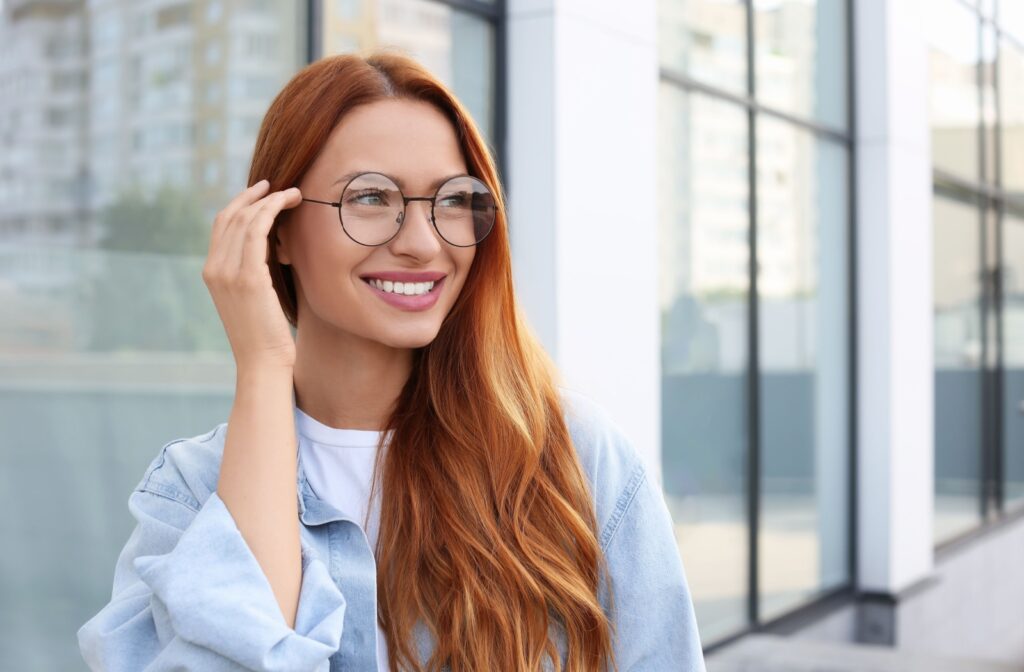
[(280, 243)]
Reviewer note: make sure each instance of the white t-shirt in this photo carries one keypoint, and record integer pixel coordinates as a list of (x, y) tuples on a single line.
[(338, 464)]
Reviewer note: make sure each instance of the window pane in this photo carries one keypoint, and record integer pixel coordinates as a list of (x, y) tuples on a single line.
[(958, 375), (131, 124), (1013, 355), (456, 46), (802, 213), (801, 58), (705, 40), (953, 88), (1011, 18), (1011, 109), (704, 222)]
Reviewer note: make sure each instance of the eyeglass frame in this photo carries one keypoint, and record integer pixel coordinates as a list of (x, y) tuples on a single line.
[(405, 204)]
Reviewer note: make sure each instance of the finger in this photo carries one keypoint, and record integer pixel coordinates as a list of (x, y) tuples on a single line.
[(255, 251), (233, 232), (242, 199), (247, 197), (246, 213)]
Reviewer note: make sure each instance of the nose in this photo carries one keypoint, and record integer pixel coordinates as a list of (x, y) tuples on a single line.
[(417, 237)]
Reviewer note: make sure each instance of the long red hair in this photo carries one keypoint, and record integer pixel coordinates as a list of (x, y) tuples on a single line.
[(487, 526)]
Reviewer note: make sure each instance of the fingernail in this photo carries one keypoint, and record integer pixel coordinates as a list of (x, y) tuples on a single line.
[(262, 183)]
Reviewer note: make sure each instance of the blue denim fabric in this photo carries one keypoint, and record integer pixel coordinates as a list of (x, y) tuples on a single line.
[(188, 594)]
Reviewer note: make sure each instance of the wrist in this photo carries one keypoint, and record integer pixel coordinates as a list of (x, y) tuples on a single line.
[(264, 374)]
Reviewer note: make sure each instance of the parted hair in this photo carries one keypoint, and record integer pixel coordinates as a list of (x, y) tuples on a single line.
[(488, 533)]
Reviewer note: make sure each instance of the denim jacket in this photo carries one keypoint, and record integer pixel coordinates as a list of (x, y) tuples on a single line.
[(188, 594)]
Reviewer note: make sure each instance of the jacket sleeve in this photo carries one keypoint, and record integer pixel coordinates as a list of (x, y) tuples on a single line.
[(652, 611), (189, 594)]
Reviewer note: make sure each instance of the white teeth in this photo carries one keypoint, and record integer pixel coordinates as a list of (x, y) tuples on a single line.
[(405, 288)]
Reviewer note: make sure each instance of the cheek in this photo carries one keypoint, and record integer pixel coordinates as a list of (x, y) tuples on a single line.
[(465, 260), (328, 269), (463, 263)]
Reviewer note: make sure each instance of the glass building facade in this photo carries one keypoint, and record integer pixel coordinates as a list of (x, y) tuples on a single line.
[(755, 225), (976, 59)]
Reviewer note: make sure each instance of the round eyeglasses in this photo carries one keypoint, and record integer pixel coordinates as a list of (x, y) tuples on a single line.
[(372, 208)]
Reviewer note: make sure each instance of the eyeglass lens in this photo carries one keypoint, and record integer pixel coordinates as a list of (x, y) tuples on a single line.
[(372, 210)]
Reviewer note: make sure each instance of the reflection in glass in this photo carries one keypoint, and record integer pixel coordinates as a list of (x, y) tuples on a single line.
[(1011, 110), (958, 367), (704, 223), (988, 101), (1013, 356), (456, 46), (1011, 18), (705, 40), (802, 211), (801, 58), (126, 142), (953, 88)]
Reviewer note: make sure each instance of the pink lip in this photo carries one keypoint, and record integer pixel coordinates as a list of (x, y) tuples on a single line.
[(405, 276), (413, 303)]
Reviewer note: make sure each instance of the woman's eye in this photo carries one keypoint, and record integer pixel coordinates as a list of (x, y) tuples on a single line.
[(370, 198), (453, 201)]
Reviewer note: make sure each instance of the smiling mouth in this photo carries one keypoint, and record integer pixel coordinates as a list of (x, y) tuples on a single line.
[(405, 288)]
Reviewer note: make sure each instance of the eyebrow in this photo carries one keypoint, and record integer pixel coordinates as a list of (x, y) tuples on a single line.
[(397, 180)]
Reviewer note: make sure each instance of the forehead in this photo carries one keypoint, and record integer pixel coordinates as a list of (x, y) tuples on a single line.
[(411, 140)]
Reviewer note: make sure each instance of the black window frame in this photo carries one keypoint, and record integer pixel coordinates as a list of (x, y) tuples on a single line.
[(988, 194), (827, 600)]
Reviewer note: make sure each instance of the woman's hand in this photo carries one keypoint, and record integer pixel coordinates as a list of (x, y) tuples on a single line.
[(238, 277)]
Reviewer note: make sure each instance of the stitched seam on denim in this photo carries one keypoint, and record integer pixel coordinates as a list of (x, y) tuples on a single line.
[(172, 494), (209, 435), (623, 503), (159, 464), (167, 491)]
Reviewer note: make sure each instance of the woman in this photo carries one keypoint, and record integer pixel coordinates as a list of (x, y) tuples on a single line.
[(404, 484)]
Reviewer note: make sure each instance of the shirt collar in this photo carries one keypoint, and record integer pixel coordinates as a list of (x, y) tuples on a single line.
[(312, 509)]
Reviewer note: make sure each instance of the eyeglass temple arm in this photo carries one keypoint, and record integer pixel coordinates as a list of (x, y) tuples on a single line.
[(313, 200)]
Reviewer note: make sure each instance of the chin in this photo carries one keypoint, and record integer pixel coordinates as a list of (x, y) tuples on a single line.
[(409, 338)]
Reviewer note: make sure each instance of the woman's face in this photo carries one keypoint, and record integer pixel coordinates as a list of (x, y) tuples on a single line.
[(416, 145)]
